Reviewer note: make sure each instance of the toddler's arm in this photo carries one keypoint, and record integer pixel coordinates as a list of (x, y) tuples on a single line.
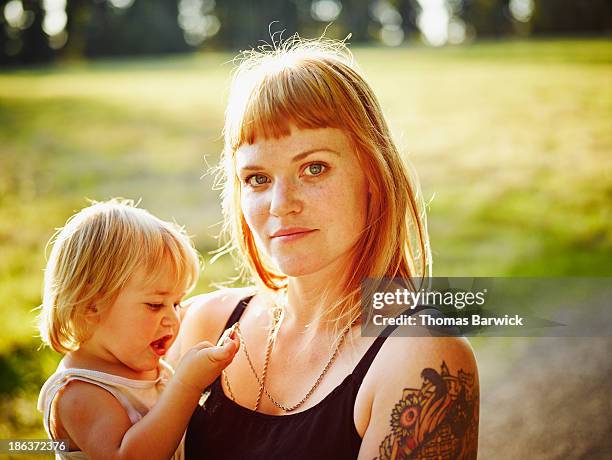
[(99, 425)]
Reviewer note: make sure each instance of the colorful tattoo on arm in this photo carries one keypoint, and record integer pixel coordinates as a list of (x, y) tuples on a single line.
[(437, 421)]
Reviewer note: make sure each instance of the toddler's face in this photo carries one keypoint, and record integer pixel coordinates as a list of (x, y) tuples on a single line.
[(142, 323)]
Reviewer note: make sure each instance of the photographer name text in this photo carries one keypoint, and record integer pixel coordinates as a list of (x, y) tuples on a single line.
[(437, 321)]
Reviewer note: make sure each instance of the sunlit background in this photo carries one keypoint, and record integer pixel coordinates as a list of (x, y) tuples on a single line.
[(504, 107)]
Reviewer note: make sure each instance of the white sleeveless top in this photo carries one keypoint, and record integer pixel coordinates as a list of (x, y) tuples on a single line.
[(136, 396)]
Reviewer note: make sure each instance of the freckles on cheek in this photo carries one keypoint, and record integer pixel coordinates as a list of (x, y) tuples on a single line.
[(255, 214), (325, 192), (253, 209)]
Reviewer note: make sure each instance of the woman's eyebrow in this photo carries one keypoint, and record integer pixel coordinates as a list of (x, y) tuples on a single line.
[(299, 157), (251, 168)]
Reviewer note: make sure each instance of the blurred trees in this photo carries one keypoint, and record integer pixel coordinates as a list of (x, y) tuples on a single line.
[(23, 42), (247, 24), (500, 17), (487, 17), (409, 10), (37, 31), (356, 19), (146, 27), (79, 13), (567, 16)]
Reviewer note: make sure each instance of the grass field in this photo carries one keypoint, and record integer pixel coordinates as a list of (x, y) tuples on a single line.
[(511, 140)]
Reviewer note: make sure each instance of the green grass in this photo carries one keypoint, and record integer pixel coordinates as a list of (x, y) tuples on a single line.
[(511, 139)]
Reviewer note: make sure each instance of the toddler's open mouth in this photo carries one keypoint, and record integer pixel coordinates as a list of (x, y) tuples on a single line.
[(159, 346)]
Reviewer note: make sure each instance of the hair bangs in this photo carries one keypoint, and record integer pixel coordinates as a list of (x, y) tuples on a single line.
[(299, 94), (169, 256)]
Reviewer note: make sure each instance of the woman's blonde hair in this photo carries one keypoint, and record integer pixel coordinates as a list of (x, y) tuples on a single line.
[(93, 257), (315, 84)]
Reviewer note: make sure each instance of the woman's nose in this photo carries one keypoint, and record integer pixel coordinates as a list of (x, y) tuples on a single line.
[(285, 198)]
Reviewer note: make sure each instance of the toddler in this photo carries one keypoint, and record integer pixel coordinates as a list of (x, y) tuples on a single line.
[(113, 286)]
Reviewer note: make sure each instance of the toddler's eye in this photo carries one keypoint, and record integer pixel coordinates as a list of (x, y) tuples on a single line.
[(178, 306), (155, 306), (256, 180), (314, 169)]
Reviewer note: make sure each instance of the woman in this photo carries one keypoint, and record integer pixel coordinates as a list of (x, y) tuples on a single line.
[(317, 199)]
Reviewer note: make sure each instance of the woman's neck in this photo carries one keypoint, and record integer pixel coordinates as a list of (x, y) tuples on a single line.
[(309, 297)]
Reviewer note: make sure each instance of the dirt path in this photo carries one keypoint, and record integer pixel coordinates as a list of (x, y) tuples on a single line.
[(553, 401)]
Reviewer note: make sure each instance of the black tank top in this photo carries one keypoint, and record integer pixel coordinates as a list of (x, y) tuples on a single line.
[(224, 429)]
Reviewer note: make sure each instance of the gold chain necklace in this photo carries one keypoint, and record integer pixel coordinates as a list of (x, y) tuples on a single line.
[(261, 381), (236, 327)]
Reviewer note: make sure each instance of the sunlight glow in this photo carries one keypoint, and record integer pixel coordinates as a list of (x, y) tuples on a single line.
[(325, 10), (456, 31), (14, 14), (433, 21), (391, 32), (521, 10), (121, 4), (197, 21), (54, 23)]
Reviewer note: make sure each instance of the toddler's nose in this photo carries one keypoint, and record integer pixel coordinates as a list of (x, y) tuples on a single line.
[(171, 319)]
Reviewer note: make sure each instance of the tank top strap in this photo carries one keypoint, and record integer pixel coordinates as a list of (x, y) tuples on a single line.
[(238, 311), (362, 367)]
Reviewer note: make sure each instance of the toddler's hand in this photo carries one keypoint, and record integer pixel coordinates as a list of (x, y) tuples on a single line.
[(203, 363)]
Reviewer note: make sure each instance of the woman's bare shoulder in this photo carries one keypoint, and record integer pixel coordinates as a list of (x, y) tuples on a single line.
[(216, 305), (419, 349), (409, 377), (205, 316), (405, 360)]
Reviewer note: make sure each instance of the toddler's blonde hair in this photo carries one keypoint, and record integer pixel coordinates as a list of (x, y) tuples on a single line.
[(93, 257)]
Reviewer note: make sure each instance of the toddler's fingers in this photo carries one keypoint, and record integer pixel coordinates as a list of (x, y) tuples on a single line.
[(234, 335), (221, 354), (202, 345), (236, 341), (229, 332)]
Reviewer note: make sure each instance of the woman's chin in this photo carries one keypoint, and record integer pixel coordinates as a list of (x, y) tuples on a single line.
[(297, 268)]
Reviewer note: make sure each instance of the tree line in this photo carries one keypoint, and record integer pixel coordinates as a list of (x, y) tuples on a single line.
[(37, 31)]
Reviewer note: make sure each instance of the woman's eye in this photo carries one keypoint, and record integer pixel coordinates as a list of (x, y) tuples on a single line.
[(256, 180), (314, 169)]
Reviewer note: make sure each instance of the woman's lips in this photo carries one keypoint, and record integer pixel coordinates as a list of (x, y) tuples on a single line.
[(291, 234)]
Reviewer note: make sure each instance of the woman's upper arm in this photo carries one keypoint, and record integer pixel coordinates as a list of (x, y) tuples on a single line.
[(425, 401), (204, 319)]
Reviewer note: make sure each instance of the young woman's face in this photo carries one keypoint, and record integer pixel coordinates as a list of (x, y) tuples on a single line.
[(304, 196)]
